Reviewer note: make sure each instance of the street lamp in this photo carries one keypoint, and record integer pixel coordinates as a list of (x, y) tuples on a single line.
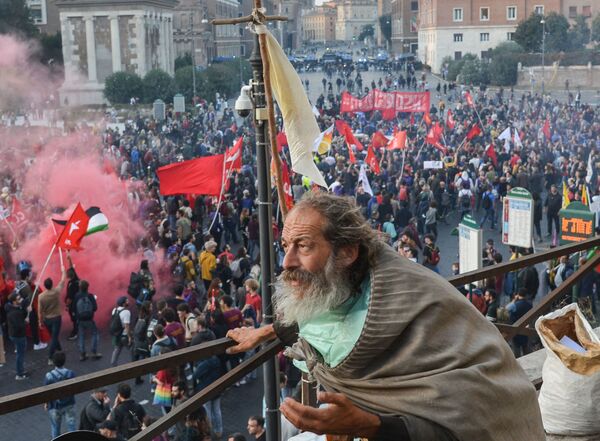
[(192, 36), (543, 22)]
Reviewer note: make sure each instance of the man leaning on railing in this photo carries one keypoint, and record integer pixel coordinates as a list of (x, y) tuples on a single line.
[(400, 353)]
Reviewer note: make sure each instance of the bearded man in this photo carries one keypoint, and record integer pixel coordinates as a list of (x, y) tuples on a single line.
[(401, 353)]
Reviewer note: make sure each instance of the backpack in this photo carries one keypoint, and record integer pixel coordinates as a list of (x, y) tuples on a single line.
[(57, 376), (434, 259), (85, 308), (143, 296), (465, 201), (136, 283), (179, 270), (486, 203), (235, 268), (116, 327), (19, 286), (130, 424)]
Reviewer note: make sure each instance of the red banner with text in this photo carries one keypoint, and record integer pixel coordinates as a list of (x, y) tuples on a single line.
[(387, 102)]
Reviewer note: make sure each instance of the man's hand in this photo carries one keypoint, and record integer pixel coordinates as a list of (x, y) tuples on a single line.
[(340, 417), (249, 338)]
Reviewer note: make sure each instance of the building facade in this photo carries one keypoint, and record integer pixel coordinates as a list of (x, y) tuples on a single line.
[(318, 24), (115, 35), (405, 19), (353, 16), (452, 28), (44, 14)]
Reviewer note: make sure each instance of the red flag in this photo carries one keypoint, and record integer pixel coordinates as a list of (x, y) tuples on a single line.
[(17, 217), (345, 130), (199, 176), (388, 114), (440, 147), (233, 156), (372, 160), (491, 153), (281, 141), (398, 141), (379, 140), (450, 123), (287, 185), (469, 98), (475, 131), (351, 156), (434, 135), (412, 119), (75, 229), (427, 119), (546, 129)]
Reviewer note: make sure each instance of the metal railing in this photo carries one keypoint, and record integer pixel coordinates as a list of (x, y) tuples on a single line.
[(114, 375)]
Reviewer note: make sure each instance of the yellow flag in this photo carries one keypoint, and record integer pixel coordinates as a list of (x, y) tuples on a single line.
[(301, 127), (585, 199), (565, 199), (323, 143)]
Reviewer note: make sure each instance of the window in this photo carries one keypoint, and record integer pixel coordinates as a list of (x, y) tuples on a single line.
[(511, 12), (538, 9), (484, 14), (457, 55), (484, 36), (458, 38), (586, 11), (486, 55), (414, 6), (572, 11), (457, 14), (510, 36)]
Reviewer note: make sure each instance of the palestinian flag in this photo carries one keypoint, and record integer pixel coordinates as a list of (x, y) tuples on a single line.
[(97, 221)]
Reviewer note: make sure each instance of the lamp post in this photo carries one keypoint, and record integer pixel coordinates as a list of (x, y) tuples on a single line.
[(192, 36), (543, 22)]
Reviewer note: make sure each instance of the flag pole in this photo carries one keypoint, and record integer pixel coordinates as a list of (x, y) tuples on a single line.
[(224, 176), (39, 277), (60, 255)]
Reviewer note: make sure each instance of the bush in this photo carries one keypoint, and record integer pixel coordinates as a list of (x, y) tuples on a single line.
[(184, 82), (158, 85), (223, 78), (474, 72), (455, 66), (503, 70), (120, 87)]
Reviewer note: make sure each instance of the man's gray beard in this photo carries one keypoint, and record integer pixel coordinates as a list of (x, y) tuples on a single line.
[(324, 291)]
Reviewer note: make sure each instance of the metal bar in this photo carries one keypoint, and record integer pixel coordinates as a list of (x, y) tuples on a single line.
[(547, 301), (265, 215), (309, 391), (40, 395), (502, 268), (507, 329), (209, 392)]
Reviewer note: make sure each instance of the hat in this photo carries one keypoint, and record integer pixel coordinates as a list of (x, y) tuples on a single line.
[(210, 245), (121, 300), (108, 424)]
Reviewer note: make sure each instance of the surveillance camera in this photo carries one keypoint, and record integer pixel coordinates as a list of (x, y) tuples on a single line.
[(243, 105)]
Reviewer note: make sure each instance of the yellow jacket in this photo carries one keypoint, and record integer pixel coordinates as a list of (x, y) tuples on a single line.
[(208, 263)]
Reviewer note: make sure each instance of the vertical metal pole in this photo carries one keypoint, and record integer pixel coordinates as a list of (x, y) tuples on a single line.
[(543, 54), (193, 59), (265, 206)]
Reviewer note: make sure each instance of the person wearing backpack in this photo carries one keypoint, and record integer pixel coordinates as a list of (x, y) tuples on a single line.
[(126, 413), (63, 408), (120, 319), (431, 253), (487, 203), (86, 306)]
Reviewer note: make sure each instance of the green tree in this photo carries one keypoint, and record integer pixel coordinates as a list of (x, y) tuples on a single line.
[(183, 60), (184, 82), (121, 86), (455, 66), (366, 32), (579, 34), (51, 49), (596, 28), (529, 33), (158, 85), (223, 78), (474, 72), (504, 64), (15, 19), (385, 23)]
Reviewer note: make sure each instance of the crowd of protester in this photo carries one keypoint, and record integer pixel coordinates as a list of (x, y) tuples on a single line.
[(207, 281)]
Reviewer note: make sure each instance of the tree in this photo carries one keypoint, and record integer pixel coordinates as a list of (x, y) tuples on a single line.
[(385, 24), (51, 49), (158, 85), (474, 72), (184, 82), (596, 28), (529, 33), (579, 34), (183, 60), (504, 64), (366, 32), (15, 19), (455, 66), (120, 87), (223, 78)]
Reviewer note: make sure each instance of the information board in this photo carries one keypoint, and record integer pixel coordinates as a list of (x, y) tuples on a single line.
[(577, 223), (470, 239), (517, 218), (433, 165), (158, 109)]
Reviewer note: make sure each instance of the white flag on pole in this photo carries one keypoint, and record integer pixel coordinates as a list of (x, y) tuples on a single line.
[(362, 179)]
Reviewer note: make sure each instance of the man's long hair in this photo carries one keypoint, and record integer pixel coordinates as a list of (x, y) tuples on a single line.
[(345, 226)]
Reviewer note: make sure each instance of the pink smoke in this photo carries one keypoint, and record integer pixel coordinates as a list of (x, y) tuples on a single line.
[(53, 172)]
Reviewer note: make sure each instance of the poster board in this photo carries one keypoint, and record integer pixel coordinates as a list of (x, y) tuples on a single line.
[(179, 103), (470, 238), (517, 218), (577, 223)]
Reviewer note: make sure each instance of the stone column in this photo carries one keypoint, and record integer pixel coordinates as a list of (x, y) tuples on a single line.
[(115, 43), (169, 36), (140, 31), (67, 48), (90, 43), (162, 45)]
